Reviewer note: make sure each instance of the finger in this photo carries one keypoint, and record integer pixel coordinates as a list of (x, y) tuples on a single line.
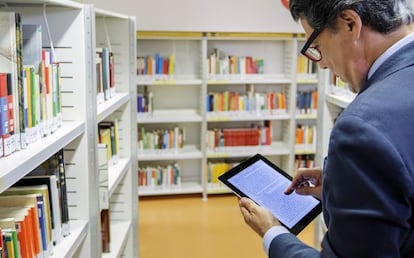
[(302, 178), (314, 191)]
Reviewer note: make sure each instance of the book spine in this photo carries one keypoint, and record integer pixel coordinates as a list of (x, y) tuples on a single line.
[(64, 199)]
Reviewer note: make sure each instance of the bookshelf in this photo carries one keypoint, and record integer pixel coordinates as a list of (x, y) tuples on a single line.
[(184, 98), (73, 30), (116, 32)]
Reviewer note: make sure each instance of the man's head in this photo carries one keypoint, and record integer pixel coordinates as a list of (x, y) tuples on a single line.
[(351, 34)]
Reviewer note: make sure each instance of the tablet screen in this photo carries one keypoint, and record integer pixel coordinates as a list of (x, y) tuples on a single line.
[(265, 183)]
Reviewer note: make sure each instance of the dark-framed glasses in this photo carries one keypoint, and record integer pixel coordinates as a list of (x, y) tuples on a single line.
[(312, 53)]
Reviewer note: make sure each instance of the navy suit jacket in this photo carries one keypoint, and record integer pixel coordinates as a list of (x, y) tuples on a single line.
[(368, 181)]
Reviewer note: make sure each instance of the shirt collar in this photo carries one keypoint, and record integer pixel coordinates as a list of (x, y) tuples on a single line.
[(394, 48)]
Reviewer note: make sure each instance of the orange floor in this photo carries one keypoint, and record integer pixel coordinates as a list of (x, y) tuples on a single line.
[(188, 227)]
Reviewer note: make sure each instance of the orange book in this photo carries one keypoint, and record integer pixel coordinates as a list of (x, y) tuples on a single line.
[(281, 99), (299, 135), (315, 99)]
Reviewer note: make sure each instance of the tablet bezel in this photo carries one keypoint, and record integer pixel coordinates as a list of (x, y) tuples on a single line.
[(302, 223)]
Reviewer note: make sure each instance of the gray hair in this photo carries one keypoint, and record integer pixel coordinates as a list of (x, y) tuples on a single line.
[(380, 15)]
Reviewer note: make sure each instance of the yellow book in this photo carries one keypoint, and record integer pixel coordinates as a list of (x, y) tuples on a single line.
[(171, 65), (105, 138), (217, 170), (29, 70)]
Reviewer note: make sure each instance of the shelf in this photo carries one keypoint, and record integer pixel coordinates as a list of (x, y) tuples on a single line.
[(116, 172), (215, 189), (277, 148), (339, 100), (248, 79), (185, 188), (111, 105), (188, 152), (246, 116), (20, 163), (119, 235), (312, 116), (63, 3), (307, 79), (70, 244), (184, 80), (104, 13), (299, 151), (169, 116)]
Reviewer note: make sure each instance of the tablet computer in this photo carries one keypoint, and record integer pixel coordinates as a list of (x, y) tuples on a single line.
[(263, 182)]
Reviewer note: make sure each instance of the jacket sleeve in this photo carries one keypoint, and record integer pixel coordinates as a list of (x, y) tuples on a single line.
[(289, 246), (366, 189)]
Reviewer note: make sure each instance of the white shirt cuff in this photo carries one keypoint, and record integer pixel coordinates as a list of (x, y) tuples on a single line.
[(270, 235)]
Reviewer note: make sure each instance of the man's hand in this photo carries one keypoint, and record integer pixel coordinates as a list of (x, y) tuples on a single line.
[(307, 181), (258, 218)]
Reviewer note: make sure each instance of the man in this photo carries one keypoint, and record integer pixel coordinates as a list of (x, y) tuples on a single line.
[(367, 184)]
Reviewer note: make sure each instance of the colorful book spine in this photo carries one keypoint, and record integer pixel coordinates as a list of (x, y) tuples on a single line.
[(4, 119), (161, 176)]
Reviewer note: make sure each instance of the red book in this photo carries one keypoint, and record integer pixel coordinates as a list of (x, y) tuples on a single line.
[(165, 66), (4, 120)]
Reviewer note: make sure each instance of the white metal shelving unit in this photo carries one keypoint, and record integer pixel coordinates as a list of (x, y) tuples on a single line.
[(75, 29), (117, 33), (178, 104), (183, 102)]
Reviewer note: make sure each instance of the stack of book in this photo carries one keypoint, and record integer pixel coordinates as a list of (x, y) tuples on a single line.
[(30, 88), (34, 214)]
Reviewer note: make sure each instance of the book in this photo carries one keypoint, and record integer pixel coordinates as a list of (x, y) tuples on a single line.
[(9, 235), (55, 165), (2, 247), (99, 85), (9, 21), (42, 190), (52, 185), (4, 120), (35, 204), (105, 56), (105, 230), (23, 225), (18, 91)]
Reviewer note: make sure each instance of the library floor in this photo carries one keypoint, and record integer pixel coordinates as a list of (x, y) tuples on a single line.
[(188, 227)]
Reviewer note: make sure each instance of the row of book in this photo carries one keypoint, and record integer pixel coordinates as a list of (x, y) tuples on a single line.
[(160, 176), (34, 213), (216, 169), (145, 101), (306, 66), (161, 139), (305, 137), (307, 102), (270, 102), (222, 64), (30, 86), (105, 74), (231, 137), (304, 161), (155, 65), (108, 135)]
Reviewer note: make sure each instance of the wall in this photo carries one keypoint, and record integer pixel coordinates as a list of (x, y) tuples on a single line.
[(205, 15)]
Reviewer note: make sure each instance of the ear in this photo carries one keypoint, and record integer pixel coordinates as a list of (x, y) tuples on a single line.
[(350, 22)]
